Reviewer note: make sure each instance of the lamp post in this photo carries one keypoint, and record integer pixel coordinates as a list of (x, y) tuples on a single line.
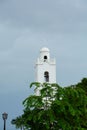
[(4, 116)]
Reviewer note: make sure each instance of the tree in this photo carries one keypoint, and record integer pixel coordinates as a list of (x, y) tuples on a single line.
[(83, 85), (39, 107), (56, 108), (71, 111)]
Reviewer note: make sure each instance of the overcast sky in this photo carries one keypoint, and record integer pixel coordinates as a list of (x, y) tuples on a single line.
[(25, 27)]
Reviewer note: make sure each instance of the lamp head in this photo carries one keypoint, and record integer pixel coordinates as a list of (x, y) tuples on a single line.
[(4, 115)]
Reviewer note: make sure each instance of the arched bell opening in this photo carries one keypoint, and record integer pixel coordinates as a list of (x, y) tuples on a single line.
[(45, 58), (46, 76)]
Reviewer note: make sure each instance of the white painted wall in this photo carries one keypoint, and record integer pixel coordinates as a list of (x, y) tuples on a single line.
[(41, 66)]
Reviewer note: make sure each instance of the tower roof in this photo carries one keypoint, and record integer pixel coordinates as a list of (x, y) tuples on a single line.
[(44, 49)]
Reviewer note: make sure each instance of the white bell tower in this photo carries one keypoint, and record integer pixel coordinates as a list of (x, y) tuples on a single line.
[(45, 68)]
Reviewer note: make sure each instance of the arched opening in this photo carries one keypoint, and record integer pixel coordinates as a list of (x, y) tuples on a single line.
[(45, 58), (46, 76)]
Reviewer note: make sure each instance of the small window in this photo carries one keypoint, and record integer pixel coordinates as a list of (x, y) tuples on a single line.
[(46, 76), (45, 58)]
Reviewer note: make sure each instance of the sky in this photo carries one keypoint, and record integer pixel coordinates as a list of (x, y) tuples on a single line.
[(25, 27)]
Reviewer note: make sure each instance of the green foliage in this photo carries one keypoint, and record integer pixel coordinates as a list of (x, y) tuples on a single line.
[(55, 108), (18, 122)]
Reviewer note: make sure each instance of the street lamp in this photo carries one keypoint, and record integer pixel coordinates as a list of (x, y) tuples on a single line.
[(4, 116)]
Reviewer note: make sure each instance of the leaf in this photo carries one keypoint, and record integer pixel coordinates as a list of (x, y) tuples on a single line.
[(36, 84)]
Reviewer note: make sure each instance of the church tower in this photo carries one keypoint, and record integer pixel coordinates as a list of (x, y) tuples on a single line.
[(45, 68)]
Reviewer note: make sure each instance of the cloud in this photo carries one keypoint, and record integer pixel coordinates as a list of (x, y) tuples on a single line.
[(43, 15)]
